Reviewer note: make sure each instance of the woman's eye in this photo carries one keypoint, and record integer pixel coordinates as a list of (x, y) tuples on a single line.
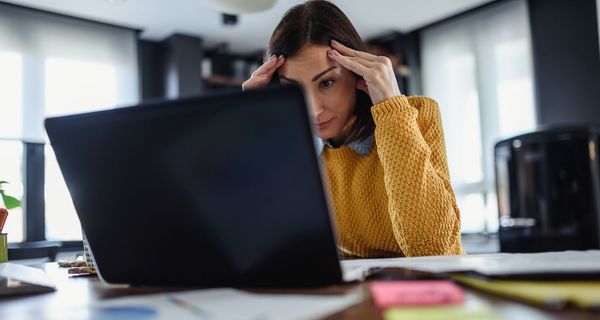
[(326, 83)]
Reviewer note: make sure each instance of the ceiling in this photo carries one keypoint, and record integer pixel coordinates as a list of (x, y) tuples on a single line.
[(160, 18)]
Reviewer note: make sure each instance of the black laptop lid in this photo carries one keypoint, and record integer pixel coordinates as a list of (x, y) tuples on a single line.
[(213, 191)]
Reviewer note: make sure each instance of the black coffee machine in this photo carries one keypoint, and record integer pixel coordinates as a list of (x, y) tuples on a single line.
[(548, 185)]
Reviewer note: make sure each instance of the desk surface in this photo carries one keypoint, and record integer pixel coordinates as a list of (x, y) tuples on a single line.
[(80, 291)]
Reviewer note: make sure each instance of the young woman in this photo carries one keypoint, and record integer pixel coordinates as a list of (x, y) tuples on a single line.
[(384, 153)]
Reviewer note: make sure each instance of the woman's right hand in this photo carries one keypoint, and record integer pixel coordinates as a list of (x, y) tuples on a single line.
[(262, 76)]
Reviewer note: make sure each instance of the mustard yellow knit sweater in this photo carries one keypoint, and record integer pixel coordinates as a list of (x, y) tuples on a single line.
[(397, 201)]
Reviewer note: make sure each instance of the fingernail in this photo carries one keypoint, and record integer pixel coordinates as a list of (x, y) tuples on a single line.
[(334, 42)]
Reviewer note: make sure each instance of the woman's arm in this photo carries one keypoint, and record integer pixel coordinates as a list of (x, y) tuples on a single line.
[(410, 144), (422, 205)]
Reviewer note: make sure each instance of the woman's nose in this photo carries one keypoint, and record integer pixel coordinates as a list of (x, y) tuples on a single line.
[(314, 105)]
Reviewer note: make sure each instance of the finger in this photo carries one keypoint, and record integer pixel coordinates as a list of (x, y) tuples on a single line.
[(264, 77), (348, 63), (366, 63), (280, 62), (268, 73), (351, 52), (256, 82), (271, 69), (376, 67), (267, 65)]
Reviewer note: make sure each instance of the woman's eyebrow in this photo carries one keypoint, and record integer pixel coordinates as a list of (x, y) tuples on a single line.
[(322, 73), (286, 79)]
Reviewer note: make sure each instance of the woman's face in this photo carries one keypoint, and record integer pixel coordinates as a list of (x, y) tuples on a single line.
[(330, 90)]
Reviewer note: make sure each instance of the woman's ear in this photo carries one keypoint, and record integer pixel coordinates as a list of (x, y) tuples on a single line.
[(362, 85)]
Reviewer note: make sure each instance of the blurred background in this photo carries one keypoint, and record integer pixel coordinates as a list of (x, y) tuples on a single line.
[(497, 68)]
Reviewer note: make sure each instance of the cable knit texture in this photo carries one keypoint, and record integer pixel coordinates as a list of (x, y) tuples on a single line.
[(397, 201)]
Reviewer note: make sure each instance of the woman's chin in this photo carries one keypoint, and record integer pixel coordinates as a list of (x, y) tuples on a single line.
[(325, 134)]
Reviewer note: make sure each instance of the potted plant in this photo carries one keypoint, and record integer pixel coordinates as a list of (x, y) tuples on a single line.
[(10, 202)]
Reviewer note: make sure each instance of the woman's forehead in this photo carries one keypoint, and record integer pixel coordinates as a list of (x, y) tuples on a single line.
[(310, 59)]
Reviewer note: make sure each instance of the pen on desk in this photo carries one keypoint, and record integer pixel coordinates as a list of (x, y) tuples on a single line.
[(188, 306), (3, 216)]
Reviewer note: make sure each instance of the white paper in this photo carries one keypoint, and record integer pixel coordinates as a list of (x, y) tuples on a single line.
[(210, 304), (566, 262), (26, 274)]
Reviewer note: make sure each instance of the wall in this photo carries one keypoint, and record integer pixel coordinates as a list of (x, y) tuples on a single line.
[(170, 68), (152, 69), (566, 60)]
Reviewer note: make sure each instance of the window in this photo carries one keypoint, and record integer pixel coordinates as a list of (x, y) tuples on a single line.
[(52, 65), (71, 86), (479, 70), (11, 81)]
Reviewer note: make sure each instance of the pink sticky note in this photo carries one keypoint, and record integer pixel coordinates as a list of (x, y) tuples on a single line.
[(415, 293)]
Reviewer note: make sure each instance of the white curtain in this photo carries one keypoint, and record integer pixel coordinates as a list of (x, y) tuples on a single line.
[(479, 70), (56, 65), (53, 65)]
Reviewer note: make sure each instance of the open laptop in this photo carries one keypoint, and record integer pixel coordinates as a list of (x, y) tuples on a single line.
[(221, 190)]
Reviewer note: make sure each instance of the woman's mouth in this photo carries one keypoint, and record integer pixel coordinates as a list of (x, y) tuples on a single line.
[(324, 124)]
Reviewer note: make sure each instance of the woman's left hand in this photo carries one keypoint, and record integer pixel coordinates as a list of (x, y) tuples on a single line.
[(378, 78)]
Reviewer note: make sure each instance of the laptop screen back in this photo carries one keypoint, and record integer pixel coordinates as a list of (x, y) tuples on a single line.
[(214, 191)]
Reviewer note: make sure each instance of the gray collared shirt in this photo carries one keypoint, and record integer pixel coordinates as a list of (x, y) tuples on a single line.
[(362, 147)]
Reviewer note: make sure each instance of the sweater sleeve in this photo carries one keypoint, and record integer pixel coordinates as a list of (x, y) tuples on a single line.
[(422, 205)]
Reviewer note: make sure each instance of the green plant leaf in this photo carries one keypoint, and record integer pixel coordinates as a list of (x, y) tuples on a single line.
[(10, 202), (3, 182)]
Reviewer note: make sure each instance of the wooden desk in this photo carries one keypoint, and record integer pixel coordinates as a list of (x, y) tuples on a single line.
[(80, 291)]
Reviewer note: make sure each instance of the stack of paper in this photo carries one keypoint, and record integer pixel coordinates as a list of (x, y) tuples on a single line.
[(489, 272), (426, 299), (549, 294), (497, 264)]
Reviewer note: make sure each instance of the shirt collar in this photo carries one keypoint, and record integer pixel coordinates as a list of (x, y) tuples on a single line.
[(362, 147)]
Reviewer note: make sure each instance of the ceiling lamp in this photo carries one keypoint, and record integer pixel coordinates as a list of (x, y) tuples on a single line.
[(242, 6)]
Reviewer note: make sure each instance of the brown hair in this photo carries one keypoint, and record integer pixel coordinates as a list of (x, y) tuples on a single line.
[(318, 22)]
